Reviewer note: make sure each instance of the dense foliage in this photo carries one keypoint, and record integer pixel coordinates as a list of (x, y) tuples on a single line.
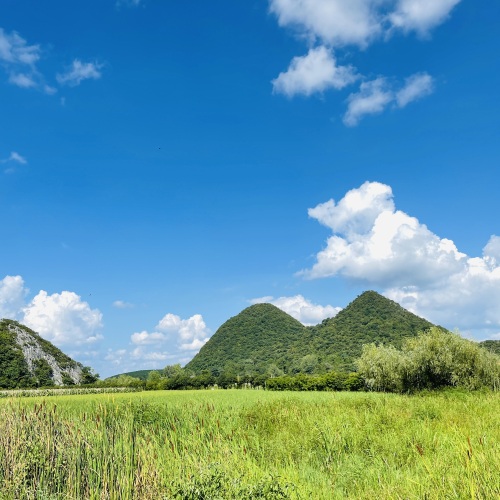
[(264, 341), (432, 360), (369, 318), (260, 336), (491, 345), (14, 372)]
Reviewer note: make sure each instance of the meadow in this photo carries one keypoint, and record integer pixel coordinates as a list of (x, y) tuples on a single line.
[(246, 444)]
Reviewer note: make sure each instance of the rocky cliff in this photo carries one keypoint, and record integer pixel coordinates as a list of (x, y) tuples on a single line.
[(28, 360)]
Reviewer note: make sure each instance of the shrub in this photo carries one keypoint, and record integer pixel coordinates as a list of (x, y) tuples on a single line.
[(431, 360)]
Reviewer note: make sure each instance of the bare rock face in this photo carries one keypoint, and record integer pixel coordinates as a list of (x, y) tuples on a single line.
[(34, 351)]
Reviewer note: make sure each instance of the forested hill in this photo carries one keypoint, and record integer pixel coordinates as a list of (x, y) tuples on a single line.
[(264, 339), (491, 345), (259, 336), (28, 360), (369, 318)]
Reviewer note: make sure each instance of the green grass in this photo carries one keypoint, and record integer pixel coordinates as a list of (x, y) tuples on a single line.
[(251, 444)]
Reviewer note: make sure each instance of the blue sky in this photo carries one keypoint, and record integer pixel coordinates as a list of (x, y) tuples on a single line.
[(164, 166)]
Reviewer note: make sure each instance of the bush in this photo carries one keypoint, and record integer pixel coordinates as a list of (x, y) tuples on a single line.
[(431, 360)]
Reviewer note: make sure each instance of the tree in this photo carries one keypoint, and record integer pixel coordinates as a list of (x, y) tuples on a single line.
[(431, 360), (88, 376)]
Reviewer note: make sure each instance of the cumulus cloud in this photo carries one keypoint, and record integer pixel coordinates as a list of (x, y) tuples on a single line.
[(172, 339), (359, 22), (78, 72), (375, 96), (12, 297), (329, 25), (385, 248), (315, 72), (192, 332), (63, 318), (301, 308), (145, 338), (335, 22)]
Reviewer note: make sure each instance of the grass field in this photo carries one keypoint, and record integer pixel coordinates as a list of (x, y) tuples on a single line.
[(251, 444)]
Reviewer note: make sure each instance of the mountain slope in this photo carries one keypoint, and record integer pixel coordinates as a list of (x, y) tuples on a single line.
[(491, 345), (369, 318), (28, 360), (262, 337), (257, 337)]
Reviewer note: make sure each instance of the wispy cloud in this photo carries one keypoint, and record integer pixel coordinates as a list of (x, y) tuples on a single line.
[(129, 3), (78, 72), (15, 157), (121, 304), (376, 95)]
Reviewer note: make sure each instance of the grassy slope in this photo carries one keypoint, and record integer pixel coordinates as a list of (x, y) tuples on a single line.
[(252, 444)]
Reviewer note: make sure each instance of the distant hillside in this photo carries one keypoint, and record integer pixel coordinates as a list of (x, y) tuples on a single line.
[(28, 360), (140, 374), (263, 338), (259, 336), (491, 345)]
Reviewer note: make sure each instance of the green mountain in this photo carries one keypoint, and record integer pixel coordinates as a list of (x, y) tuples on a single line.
[(140, 374), (258, 337), (369, 318), (264, 339), (28, 360), (491, 345)]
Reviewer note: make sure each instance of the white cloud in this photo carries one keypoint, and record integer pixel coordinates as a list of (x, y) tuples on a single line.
[(376, 244), (192, 332), (140, 354), (19, 60), (121, 304), (372, 98), (145, 338), (128, 3), (78, 72), (12, 296), (15, 157), (14, 50), (315, 72), (63, 318), (301, 308), (359, 22), (416, 86), (335, 22), (23, 80), (375, 96), (421, 15)]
